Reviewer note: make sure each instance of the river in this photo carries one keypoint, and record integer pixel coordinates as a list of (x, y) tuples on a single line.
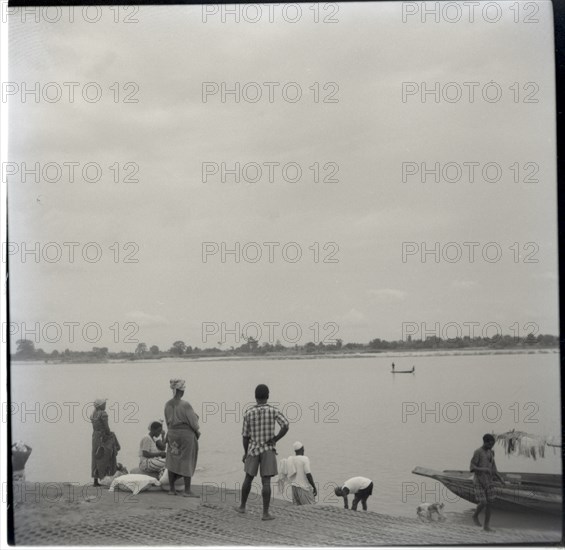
[(353, 416)]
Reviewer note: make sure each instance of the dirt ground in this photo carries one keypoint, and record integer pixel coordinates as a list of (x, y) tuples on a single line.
[(66, 514)]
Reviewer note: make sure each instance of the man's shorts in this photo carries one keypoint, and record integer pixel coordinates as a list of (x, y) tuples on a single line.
[(366, 492), (484, 493), (268, 462)]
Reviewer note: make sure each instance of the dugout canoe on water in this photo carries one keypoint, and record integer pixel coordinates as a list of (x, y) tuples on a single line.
[(523, 491), (412, 371)]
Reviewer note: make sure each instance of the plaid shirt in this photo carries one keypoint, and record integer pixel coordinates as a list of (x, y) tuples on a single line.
[(259, 427)]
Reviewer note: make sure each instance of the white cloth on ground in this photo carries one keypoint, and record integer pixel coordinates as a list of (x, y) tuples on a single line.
[(134, 483), (107, 481)]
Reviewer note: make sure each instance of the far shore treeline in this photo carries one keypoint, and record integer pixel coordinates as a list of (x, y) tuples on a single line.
[(26, 350)]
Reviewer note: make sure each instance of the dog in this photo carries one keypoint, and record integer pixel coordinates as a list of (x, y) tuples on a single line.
[(427, 511)]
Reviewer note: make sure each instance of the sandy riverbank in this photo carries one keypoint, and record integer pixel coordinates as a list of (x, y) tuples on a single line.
[(63, 514)]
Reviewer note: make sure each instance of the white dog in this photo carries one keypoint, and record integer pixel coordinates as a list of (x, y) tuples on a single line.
[(426, 511)]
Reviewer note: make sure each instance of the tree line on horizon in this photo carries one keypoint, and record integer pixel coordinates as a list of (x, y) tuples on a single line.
[(26, 350)]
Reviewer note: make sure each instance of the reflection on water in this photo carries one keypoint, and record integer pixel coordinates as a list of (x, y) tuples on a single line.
[(353, 416)]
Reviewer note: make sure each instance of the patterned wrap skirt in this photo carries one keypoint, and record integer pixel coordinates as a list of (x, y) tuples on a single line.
[(182, 451)]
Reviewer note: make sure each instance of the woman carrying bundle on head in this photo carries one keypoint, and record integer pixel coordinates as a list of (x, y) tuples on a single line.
[(183, 432), (105, 444)]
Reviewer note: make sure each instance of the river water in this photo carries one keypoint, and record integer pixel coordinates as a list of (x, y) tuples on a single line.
[(353, 416)]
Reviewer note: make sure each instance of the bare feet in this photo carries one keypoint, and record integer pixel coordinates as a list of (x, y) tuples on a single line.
[(476, 521), (239, 509), (267, 517), (190, 495), (488, 529)]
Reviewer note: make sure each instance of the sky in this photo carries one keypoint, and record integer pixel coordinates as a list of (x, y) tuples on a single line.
[(365, 220)]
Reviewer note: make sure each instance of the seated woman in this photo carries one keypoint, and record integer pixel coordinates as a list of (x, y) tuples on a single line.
[(152, 450)]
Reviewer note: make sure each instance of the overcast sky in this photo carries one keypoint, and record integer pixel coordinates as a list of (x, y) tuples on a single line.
[(370, 212)]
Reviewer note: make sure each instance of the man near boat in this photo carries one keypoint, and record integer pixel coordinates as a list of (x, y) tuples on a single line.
[(484, 468)]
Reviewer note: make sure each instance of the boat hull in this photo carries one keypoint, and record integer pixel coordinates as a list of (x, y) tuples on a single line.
[(522, 491)]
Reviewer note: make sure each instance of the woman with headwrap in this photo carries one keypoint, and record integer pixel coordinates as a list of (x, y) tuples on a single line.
[(105, 445), (183, 432)]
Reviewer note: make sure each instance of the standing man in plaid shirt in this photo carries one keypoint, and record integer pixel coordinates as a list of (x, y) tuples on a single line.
[(259, 442)]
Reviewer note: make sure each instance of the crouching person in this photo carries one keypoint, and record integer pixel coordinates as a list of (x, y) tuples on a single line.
[(360, 487), (152, 450)]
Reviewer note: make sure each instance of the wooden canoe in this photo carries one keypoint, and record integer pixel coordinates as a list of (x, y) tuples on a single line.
[(522, 492)]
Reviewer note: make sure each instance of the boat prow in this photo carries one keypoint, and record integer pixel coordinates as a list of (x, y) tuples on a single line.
[(522, 491)]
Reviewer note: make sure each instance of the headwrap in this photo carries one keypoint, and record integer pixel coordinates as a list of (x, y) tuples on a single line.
[(297, 445), (177, 384), (99, 402)]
